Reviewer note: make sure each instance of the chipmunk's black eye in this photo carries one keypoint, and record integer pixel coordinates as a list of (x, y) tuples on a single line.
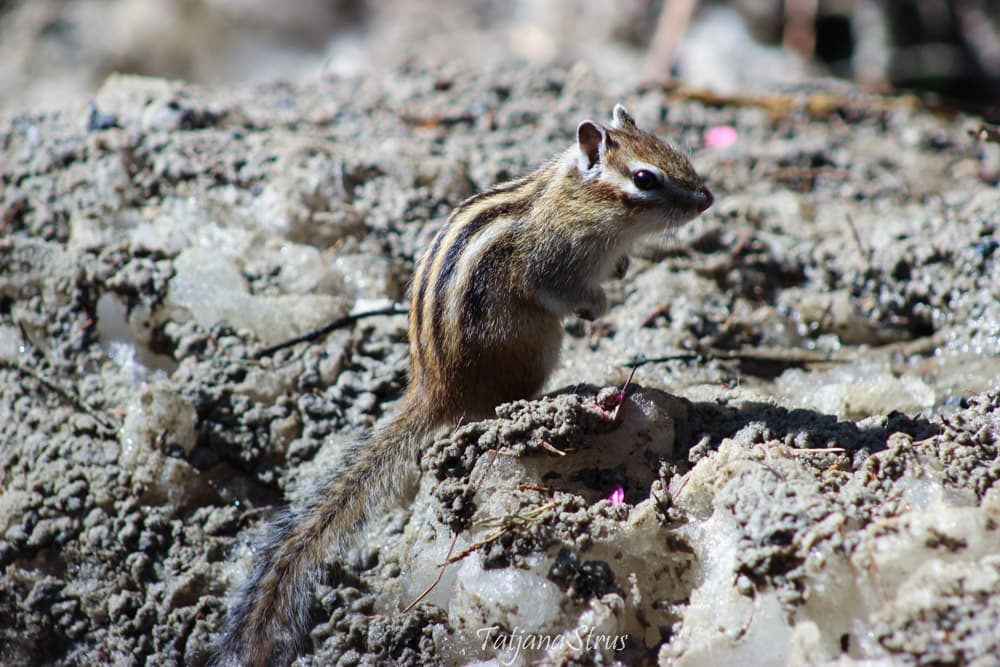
[(645, 179)]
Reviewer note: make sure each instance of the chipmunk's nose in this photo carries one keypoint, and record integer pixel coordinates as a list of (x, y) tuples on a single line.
[(703, 199)]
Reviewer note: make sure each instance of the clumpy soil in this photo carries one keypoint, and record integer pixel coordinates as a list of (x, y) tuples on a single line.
[(827, 336)]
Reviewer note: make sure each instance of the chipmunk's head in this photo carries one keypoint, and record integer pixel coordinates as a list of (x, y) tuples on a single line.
[(652, 183)]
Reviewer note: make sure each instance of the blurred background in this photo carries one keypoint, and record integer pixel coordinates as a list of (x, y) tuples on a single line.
[(55, 51)]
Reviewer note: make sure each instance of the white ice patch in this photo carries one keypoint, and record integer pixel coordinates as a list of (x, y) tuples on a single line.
[(126, 340), (212, 290), (509, 597), (899, 562), (855, 390), (11, 346)]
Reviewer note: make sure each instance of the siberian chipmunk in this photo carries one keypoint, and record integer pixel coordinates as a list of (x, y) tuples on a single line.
[(485, 327)]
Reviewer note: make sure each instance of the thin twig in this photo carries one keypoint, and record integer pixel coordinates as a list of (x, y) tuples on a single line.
[(535, 487), (339, 323), (818, 105), (451, 548), (857, 239), (549, 447), (726, 355), (818, 450), (514, 518), (492, 537), (437, 579), (641, 360), (621, 393), (680, 487), (504, 524), (65, 394)]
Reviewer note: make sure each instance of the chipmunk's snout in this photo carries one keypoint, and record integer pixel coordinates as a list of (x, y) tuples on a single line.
[(703, 199)]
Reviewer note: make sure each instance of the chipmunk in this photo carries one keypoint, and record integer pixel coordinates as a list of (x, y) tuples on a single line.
[(485, 327)]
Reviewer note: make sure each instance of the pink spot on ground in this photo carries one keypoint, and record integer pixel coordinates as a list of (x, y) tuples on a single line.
[(721, 136), (617, 496)]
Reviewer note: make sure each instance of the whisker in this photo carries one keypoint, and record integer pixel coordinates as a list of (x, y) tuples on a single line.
[(664, 240), (667, 238)]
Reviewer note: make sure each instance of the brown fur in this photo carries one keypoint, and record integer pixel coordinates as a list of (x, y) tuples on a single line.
[(485, 328)]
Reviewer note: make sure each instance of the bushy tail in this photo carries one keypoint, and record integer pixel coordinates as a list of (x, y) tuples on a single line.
[(268, 621)]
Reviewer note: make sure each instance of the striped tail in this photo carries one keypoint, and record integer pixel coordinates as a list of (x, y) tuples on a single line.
[(268, 621)]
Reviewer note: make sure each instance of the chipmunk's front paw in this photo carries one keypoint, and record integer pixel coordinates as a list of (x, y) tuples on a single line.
[(594, 307), (621, 267)]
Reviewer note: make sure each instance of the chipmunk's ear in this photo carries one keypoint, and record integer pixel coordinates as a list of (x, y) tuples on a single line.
[(620, 118), (591, 140)]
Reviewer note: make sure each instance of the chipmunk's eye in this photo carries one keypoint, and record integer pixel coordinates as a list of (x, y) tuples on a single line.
[(645, 179)]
